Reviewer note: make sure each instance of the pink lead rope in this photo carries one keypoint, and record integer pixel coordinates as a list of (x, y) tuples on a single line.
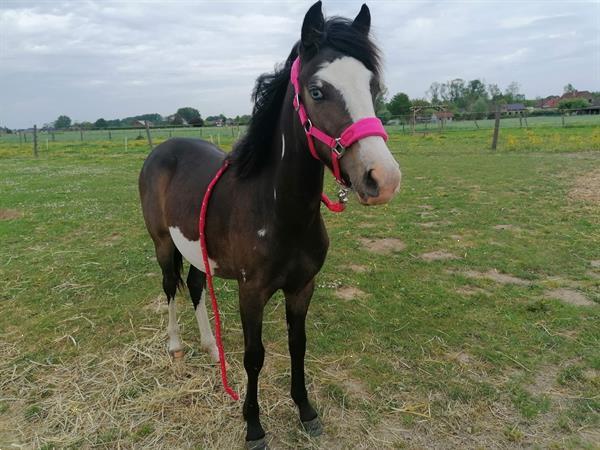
[(209, 283)]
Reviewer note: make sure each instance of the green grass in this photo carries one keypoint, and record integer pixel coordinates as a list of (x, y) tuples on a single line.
[(428, 356)]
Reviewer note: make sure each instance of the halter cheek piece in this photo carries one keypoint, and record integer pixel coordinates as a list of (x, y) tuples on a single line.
[(369, 126)]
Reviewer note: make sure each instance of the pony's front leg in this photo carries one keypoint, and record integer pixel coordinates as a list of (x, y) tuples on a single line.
[(296, 307), (252, 303)]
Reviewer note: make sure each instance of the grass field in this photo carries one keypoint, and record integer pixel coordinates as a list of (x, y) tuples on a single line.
[(463, 314)]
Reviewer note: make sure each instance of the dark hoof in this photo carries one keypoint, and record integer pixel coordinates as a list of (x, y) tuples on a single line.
[(313, 427), (259, 444)]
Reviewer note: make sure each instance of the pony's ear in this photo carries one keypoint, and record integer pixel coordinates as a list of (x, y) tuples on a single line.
[(362, 22), (313, 26)]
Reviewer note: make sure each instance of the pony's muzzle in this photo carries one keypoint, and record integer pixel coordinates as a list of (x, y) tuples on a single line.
[(380, 184), (378, 177)]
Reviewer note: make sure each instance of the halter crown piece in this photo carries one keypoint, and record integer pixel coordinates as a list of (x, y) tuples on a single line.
[(368, 126)]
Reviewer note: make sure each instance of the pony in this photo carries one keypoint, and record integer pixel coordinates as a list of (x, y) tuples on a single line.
[(264, 226)]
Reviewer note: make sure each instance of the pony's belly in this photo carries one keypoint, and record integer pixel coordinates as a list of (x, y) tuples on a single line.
[(190, 250)]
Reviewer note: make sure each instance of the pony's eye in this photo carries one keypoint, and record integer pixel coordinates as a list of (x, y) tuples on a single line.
[(316, 94)]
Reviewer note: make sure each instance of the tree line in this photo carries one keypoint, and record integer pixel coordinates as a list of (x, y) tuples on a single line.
[(471, 97), (186, 116)]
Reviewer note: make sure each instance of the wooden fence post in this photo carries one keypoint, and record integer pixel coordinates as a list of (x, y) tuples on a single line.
[(496, 128), (25, 136), (109, 135), (148, 134), (35, 141), (562, 118), (81, 134)]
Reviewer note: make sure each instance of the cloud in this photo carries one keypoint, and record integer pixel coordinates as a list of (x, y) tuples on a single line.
[(95, 58)]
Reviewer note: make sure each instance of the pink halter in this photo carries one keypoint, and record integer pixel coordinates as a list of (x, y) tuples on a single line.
[(369, 126)]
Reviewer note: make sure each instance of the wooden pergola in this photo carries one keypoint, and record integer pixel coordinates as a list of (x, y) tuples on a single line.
[(417, 109)]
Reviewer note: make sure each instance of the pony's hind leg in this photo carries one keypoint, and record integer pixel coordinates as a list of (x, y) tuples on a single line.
[(196, 283), (170, 262)]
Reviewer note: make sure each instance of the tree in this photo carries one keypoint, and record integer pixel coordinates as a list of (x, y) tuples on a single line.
[(62, 122), (572, 103), (480, 107), (495, 92), (512, 93), (188, 114), (399, 104), (435, 92), (569, 89), (100, 123)]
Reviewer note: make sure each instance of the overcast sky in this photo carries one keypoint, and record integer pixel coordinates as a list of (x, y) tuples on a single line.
[(91, 59)]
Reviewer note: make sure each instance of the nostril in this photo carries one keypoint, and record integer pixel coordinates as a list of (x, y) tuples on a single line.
[(371, 185)]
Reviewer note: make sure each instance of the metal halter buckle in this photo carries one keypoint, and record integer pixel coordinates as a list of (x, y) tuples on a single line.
[(343, 195), (307, 125), (338, 149)]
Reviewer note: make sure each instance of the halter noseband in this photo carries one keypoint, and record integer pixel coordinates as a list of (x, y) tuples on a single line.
[(368, 126)]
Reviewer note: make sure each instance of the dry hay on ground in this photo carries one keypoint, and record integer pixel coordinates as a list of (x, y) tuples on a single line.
[(10, 214), (587, 187), (384, 246)]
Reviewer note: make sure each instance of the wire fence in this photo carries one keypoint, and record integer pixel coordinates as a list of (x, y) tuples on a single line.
[(228, 134)]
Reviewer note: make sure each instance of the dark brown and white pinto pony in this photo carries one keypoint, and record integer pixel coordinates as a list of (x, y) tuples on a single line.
[(264, 226)]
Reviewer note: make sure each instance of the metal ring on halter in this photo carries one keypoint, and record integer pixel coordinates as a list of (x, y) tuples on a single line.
[(307, 125), (339, 149)]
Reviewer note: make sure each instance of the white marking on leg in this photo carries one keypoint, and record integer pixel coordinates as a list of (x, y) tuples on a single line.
[(243, 272), (207, 340), (173, 328), (275, 193), (282, 145), (190, 250), (262, 232)]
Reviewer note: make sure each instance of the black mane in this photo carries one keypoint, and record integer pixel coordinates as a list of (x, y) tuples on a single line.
[(251, 151)]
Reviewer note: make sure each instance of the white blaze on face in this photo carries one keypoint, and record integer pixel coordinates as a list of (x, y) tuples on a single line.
[(352, 80), (190, 250)]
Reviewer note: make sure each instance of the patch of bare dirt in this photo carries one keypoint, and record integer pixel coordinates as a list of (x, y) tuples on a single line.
[(385, 246), (569, 296), (587, 187), (461, 357), (595, 263), (358, 268), (470, 290), (439, 223), (498, 277), (349, 293), (426, 207), (544, 380), (507, 227), (438, 255), (10, 214)]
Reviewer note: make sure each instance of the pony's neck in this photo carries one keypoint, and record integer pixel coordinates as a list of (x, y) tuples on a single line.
[(297, 176)]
